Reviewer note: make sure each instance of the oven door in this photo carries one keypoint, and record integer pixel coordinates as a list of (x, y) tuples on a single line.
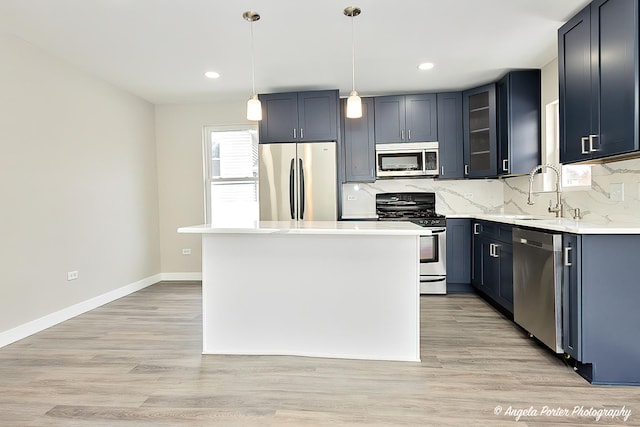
[(433, 267)]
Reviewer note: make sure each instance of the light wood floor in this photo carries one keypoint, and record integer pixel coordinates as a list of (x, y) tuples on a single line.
[(137, 361)]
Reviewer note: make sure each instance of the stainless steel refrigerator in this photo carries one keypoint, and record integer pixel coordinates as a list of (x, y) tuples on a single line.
[(297, 181)]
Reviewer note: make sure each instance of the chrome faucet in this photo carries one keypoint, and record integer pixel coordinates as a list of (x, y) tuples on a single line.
[(557, 209)]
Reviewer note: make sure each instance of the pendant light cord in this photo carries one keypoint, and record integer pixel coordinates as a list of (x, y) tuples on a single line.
[(353, 57), (253, 65)]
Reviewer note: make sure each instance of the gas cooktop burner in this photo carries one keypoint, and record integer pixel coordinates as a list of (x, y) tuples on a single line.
[(418, 208)]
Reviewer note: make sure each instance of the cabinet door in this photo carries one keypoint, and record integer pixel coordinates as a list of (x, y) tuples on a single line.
[(490, 268), (359, 144), (459, 251), (505, 283), (479, 119), (318, 115), (571, 297), (519, 116), (450, 140), (279, 117), (614, 56), (574, 68), (389, 119), (476, 266), (421, 117)]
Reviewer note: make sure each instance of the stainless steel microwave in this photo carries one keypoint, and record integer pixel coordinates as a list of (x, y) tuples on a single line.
[(407, 159)]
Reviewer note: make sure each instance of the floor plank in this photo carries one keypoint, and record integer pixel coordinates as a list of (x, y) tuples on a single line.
[(137, 361)]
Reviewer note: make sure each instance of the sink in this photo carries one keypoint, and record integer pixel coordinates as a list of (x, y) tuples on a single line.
[(519, 216)]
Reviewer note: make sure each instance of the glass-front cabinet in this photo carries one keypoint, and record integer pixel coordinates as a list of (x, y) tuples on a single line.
[(479, 118)]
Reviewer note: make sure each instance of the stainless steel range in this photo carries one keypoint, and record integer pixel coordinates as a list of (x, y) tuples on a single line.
[(420, 208)]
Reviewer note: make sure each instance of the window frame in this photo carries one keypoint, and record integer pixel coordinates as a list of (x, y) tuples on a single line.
[(206, 160)]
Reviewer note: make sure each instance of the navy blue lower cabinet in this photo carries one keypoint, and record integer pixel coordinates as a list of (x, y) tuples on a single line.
[(492, 269), (458, 255), (601, 297)]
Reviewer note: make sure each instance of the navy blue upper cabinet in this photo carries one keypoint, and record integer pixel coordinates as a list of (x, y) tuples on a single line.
[(406, 118), (359, 144), (279, 116), (480, 140), (519, 116), (450, 139), (299, 116), (598, 71)]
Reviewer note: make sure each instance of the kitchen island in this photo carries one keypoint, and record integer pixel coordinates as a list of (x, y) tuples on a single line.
[(311, 288)]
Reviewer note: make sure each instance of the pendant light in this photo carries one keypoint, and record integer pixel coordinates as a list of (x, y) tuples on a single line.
[(254, 108), (354, 103)]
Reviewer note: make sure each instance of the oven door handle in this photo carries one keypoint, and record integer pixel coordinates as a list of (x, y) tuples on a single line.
[(439, 279), (438, 230)]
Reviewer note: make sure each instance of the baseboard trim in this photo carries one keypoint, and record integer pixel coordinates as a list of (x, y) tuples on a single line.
[(35, 326), (180, 277)]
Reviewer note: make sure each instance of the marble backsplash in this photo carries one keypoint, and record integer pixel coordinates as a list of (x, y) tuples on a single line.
[(509, 195), (452, 196), (595, 203)]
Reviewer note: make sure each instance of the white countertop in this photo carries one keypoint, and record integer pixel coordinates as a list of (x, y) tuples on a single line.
[(389, 228), (557, 224)]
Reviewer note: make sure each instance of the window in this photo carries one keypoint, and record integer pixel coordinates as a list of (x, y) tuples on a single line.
[(574, 177), (231, 173)]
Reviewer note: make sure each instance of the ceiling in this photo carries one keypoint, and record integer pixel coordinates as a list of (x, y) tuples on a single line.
[(160, 49)]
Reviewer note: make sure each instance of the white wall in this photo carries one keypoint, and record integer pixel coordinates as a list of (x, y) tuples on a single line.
[(78, 186), (179, 137)]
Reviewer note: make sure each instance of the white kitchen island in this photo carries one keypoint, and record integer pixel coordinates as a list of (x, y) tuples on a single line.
[(311, 288)]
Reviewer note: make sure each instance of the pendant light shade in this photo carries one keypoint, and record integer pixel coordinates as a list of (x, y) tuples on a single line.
[(354, 103), (354, 106), (254, 107)]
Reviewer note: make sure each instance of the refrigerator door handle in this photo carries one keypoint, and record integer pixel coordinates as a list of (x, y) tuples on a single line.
[(301, 190), (291, 187)]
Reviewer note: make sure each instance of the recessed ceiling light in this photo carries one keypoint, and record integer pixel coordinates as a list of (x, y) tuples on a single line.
[(211, 74), (425, 66)]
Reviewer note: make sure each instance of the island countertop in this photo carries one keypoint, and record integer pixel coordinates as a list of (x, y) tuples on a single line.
[(394, 228)]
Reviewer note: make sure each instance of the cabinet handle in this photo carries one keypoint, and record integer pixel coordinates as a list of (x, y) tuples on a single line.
[(584, 141), (402, 134), (493, 250), (294, 133), (409, 134), (505, 165), (301, 133), (476, 228), (566, 257), (591, 138), (466, 169), (441, 170)]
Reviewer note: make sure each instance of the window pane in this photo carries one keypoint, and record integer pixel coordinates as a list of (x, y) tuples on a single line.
[(234, 154), (234, 201)]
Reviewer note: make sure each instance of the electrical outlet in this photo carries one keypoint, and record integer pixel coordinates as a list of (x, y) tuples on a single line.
[(72, 275), (186, 251), (616, 192), (351, 197)]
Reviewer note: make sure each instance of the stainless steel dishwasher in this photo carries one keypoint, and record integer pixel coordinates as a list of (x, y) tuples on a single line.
[(537, 279)]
